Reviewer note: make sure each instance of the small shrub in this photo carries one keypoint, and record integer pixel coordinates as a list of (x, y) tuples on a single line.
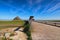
[(27, 31)]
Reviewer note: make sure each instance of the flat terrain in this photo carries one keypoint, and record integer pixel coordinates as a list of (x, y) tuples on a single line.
[(9, 27), (51, 22), (8, 24), (42, 31)]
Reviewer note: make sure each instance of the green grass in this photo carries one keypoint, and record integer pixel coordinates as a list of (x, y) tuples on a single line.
[(11, 22), (8, 24)]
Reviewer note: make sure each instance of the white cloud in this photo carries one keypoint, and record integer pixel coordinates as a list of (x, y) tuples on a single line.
[(37, 1), (30, 2), (36, 9), (54, 8), (46, 7)]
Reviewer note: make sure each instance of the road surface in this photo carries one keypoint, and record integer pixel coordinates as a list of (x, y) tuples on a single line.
[(44, 32)]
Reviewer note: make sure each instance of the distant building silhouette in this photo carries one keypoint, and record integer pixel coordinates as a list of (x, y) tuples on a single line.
[(17, 18)]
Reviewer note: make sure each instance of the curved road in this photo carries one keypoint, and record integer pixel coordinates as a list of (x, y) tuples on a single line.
[(44, 32)]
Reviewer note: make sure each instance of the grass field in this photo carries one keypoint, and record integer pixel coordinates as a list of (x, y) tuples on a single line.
[(7, 24)]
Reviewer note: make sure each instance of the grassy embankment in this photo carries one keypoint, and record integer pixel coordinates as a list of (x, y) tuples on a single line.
[(9, 24)]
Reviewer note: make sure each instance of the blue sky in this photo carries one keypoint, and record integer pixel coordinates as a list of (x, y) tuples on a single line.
[(40, 9)]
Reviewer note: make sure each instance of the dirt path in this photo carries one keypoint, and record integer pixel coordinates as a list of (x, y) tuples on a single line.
[(44, 32)]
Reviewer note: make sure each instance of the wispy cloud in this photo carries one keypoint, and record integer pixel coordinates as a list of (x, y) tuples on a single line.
[(37, 1), (48, 6), (36, 9), (30, 2), (57, 6), (14, 9)]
